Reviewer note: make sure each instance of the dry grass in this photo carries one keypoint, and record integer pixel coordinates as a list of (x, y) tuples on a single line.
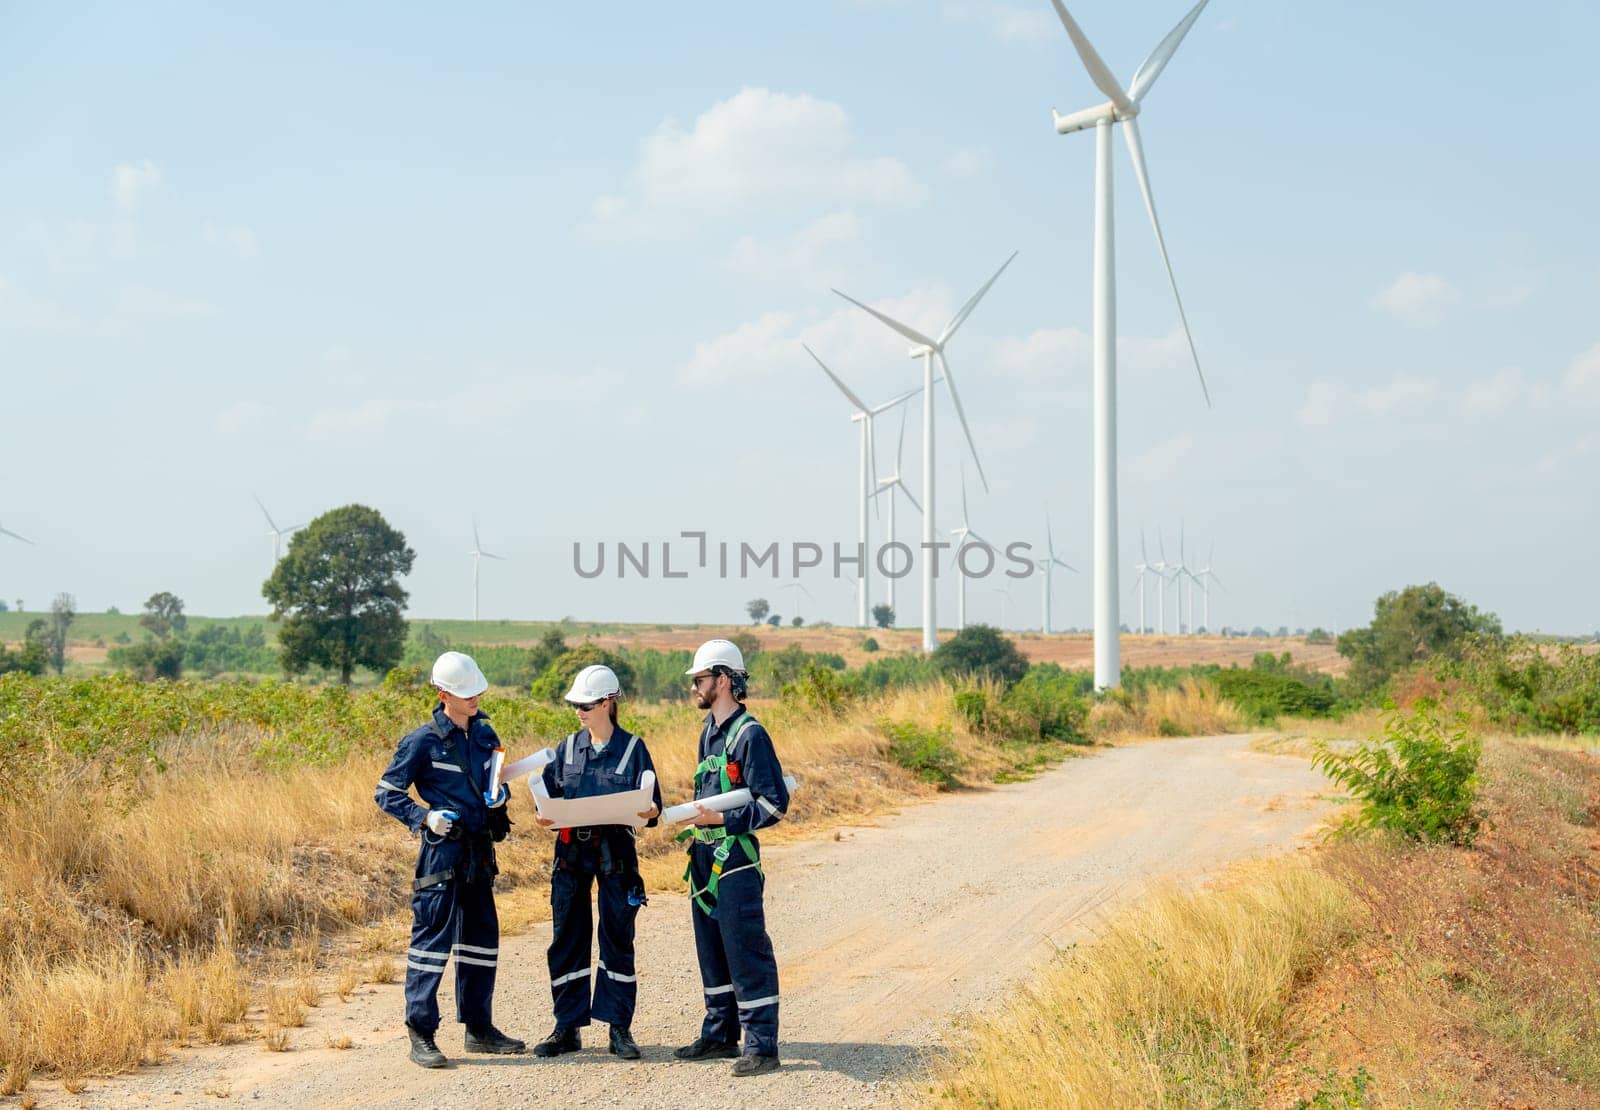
[(1172, 1005), (1301, 736), (275, 1040), (340, 1043), (1192, 708), (347, 982), (284, 1008)]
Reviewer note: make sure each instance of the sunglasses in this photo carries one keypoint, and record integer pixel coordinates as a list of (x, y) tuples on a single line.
[(585, 706), (695, 682)]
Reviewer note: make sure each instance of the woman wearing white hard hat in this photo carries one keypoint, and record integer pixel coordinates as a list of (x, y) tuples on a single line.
[(602, 757), (452, 901)]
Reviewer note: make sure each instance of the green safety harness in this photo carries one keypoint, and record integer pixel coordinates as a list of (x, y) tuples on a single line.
[(706, 897)]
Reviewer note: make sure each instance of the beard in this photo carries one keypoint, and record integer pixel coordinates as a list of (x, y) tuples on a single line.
[(701, 701)]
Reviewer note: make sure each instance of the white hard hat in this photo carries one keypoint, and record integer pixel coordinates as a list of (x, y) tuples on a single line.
[(457, 674), (715, 653), (594, 683)]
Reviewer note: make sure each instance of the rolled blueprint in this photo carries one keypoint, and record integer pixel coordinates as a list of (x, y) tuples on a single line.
[(526, 764), (717, 803)]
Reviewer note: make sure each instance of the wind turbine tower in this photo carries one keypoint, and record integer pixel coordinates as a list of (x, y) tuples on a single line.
[(478, 555), (928, 349), (888, 486), (1122, 107)]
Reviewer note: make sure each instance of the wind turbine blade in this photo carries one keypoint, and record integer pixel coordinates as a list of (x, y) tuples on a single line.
[(887, 405), (1210, 553), (1142, 556), (872, 460), (950, 383), (1099, 72), (1049, 539), (910, 333), (1059, 563), (900, 448), (293, 528), (492, 555), (270, 523), (1152, 66), (972, 302), (17, 536), (1130, 131), (964, 522), (915, 504), (477, 544), (1215, 579), (854, 400)]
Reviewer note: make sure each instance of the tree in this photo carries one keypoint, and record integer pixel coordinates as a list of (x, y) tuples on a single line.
[(63, 611), (1410, 626), (980, 651), (758, 609), (338, 594), (883, 616), (31, 658), (775, 620), (797, 621), (556, 679), (4, 607), (163, 615)]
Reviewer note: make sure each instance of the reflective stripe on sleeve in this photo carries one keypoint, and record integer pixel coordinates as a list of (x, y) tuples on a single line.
[(385, 784), (771, 809)]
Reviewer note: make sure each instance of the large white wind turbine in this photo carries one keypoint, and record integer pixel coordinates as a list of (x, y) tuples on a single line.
[(1048, 565), (864, 415), (16, 536), (478, 555), (275, 532), (1122, 108), (1143, 567), (888, 486), (964, 535), (928, 349)]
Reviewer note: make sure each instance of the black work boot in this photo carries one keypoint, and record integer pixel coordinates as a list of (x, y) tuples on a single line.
[(751, 1064), (486, 1038), (423, 1051), (622, 1043), (560, 1040), (704, 1048)]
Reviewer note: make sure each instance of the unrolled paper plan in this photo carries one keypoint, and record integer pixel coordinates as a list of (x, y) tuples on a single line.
[(603, 809)]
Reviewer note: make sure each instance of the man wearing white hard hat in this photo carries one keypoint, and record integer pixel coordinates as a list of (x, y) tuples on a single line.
[(738, 970), (452, 902), (602, 757)]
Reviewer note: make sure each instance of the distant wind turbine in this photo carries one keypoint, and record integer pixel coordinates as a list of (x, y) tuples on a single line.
[(964, 535), (865, 415), (1122, 107), (1205, 576), (928, 349), (888, 486), (797, 585), (478, 555), (1048, 565), (275, 532)]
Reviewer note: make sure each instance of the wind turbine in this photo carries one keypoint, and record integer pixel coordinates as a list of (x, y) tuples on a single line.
[(864, 415), (1205, 576), (963, 535), (1005, 599), (797, 585), (478, 555), (1143, 567), (889, 485), (928, 349), (275, 532), (8, 532), (1048, 565), (1122, 108)]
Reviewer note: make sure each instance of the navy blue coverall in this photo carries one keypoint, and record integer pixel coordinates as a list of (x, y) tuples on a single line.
[(737, 967), (452, 904), (603, 855)]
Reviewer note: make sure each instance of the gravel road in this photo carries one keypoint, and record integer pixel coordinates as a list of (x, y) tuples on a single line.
[(883, 936)]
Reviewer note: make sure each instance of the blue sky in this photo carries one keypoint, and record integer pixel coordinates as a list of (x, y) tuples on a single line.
[(551, 268)]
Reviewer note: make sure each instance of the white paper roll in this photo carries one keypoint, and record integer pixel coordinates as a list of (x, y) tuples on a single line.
[(528, 763), (717, 803)]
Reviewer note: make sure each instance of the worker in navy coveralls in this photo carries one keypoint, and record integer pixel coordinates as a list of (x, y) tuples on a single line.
[(452, 902), (600, 758), (737, 968)]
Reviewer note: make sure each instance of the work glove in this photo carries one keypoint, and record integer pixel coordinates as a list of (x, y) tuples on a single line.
[(440, 821), (500, 799)]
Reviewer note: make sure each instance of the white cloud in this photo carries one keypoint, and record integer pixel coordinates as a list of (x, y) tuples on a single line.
[(22, 311), (235, 237), (802, 254), (1419, 298), (140, 302), (968, 162), (1043, 353), (1583, 373), (1161, 461), (1007, 22), (369, 417), (750, 348), (1327, 402), (129, 183), (757, 148), (1495, 394)]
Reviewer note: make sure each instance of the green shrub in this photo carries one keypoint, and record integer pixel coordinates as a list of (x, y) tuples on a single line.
[(553, 684), (1051, 700), (870, 644), (973, 706), (1273, 686), (980, 651), (1168, 727), (926, 753), (818, 692), (1420, 779)]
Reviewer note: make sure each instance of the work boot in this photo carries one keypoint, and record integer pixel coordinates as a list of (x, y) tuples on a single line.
[(751, 1064), (423, 1051), (622, 1043), (704, 1048), (486, 1038), (560, 1040)]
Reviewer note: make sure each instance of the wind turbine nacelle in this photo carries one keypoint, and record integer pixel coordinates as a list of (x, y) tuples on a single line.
[(1089, 117), (918, 351)]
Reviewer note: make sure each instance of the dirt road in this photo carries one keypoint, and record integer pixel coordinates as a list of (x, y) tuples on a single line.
[(882, 936)]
